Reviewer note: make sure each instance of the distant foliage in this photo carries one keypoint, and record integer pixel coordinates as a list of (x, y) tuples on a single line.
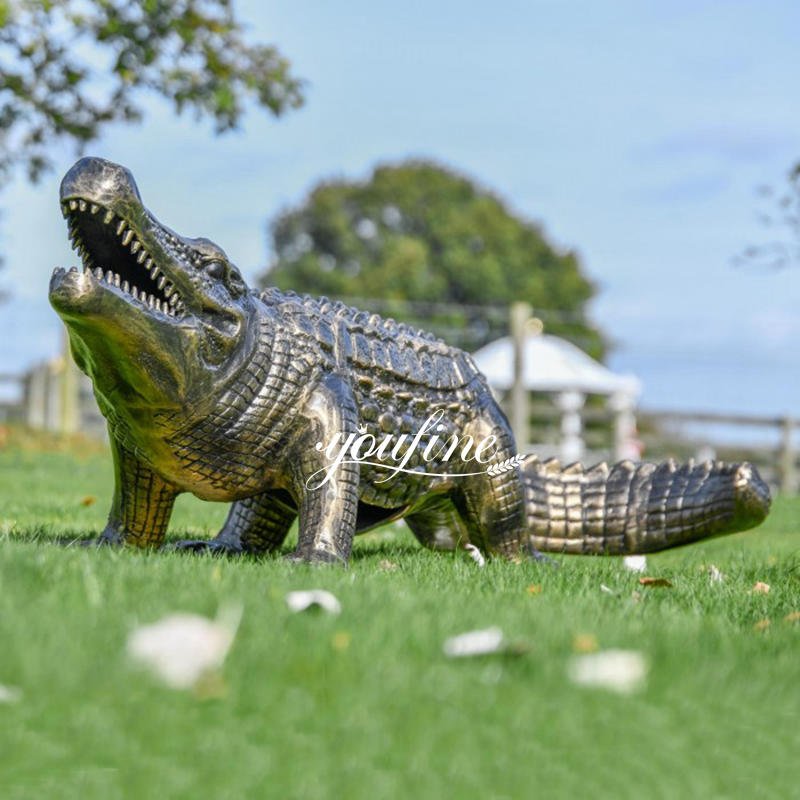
[(70, 67), (416, 236), (779, 214)]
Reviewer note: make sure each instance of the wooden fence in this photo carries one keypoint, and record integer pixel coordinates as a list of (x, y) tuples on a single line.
[(55, 396)]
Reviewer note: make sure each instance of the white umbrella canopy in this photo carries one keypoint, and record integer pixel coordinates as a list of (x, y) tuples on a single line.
[(552, 364)]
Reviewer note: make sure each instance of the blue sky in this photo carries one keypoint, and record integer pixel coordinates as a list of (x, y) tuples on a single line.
[(635, 132)]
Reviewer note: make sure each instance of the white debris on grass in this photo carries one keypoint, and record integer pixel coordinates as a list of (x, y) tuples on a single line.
[(635, 563), (606, 589), (313, 598), (715, 576), (475, 643), (180, 649), (475, 554), (10, 694), (622, 671)]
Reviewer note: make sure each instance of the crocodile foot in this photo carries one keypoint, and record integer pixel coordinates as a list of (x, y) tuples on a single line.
[(215, 547), (534, 555), (108, 538), (315, 557)]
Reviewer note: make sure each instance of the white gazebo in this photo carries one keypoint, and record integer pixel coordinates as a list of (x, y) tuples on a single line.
[(555, 366)]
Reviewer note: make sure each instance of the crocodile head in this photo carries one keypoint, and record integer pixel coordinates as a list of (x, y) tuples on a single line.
[(156, 320)]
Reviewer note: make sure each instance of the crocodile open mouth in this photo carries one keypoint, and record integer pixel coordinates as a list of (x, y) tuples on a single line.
[(112, 252)]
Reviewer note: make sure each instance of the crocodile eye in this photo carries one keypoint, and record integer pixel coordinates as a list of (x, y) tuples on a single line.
[(216, 269)]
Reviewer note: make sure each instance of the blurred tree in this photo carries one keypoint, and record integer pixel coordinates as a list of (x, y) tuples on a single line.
[(432, 248), (780, 215), (68, 68)]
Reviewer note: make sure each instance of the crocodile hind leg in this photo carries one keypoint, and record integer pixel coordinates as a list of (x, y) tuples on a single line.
[(438, 525), (492, 503), (257, 524)]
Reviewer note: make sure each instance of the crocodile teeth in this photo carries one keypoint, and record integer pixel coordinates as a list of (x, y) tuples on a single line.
[(135, 247), (64, 210), (73, 204), (135, 292), (98, 273), (82, 205), (108, 217), (126, 287), (173, 299), (116, 279), (126, 239), (142, 257), (93, 208), (161, 281), (109, 276), (168, 289), (121, 227), (154, 272)]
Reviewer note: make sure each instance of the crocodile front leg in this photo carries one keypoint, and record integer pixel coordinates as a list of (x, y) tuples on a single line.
[(328, 509), (256, 524), (142, 503)]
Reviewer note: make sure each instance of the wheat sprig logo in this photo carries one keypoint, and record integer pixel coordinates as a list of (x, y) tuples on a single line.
[(505, 466)]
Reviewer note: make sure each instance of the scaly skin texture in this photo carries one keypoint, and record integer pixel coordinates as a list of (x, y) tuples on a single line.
[(214, 389)]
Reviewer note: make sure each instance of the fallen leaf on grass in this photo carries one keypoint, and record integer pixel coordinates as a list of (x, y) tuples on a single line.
[(313, 599), (760, 588), (663, 582), (89, 500), (622, 671), (635, 563), (487, 641), (10, 694), (475, 555), (184, 649), (761, 625), (585, 643), (534, 588), (386, 565), (792, 616), (210, 686)]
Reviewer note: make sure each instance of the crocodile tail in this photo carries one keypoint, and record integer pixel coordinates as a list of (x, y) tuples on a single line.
[(638, 508)]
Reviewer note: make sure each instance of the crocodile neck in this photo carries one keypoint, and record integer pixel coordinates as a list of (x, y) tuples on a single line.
[(225, 450)]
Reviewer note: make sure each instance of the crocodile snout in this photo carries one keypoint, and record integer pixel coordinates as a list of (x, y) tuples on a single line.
[(100, 181)]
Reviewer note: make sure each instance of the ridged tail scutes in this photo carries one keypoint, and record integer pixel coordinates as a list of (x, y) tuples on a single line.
[(632, 508)]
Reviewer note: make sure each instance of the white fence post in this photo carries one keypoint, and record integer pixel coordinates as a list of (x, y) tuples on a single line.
[(572, 445), (520, 314)]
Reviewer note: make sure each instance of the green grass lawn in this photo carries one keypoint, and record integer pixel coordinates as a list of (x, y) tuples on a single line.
[(365, 705)]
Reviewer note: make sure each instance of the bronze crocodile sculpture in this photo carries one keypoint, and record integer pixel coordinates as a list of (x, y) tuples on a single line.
[(212, 388)]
